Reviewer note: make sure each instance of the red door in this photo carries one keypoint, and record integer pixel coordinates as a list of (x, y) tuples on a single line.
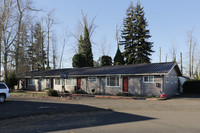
[(125, 84), (78, 83)]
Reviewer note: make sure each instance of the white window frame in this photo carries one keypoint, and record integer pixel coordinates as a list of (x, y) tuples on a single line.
[(31, 81), (72, 81), (60, 81), (148, 81), (116, 84), (92, 79)]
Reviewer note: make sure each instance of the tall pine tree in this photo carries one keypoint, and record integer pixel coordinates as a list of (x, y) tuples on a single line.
[(87, 48), (84, 50), (135, 36), (128, 36), (144, 47), (119, 58), (37, 54)]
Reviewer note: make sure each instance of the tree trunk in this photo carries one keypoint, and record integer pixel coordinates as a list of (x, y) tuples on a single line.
[(181, 62), (6, 67), (48, 67)]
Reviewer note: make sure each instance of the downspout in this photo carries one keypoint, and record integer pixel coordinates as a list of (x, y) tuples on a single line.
[(163, 86), (141, 86)]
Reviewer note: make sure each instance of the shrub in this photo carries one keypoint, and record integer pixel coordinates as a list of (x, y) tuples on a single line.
[(124, 94), (191, 86), (52, 92), (79, 92), (12, 80)]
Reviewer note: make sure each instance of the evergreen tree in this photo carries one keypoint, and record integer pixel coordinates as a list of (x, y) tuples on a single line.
[(135, 35), (40, 49), (23, 52), (119, 58), (81, 45), (106, 60), (78, 61), (128, 36), (31, 51), (144, 48), (87, 48), (36, 50)]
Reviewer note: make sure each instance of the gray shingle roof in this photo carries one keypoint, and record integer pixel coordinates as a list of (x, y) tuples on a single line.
[(142, 69)]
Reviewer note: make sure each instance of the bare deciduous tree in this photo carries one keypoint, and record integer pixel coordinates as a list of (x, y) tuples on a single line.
[(8, 21), (54, 50), (50, 21), (65, 40), (191, 52)]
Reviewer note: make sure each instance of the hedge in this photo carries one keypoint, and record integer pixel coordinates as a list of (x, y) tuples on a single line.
[(191, 86), (52, 92)]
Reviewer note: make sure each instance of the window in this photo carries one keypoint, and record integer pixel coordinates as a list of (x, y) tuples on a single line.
[(71, 81), (42, 79), (92, 79), (58, 81), (167, 79), (31, 81), (2, 86), (112, 81), (148, 79)]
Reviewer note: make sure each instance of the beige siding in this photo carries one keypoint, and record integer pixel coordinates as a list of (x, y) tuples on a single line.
[(150, 89), (134, 85), (115, 89), (100, 86), (59, 88), (171, 85)]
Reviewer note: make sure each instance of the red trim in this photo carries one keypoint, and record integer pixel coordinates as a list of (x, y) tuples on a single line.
[(78, 83)]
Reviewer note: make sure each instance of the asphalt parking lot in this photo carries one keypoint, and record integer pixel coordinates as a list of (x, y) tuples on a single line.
[(86, 114)]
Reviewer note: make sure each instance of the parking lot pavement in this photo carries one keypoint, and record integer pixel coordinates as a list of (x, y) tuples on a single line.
[(21, 107), (179, 115)]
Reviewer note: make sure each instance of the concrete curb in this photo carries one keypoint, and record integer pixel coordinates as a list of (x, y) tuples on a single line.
[(113, 97), (120, 97)]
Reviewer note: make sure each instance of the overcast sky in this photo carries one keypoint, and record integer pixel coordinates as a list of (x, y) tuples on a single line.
[(168, 22)]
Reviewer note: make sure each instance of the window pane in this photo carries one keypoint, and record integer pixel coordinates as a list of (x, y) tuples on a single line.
[(92, 79), (112, 81), (71, 81), (108, 81), (117, 81), (31, 81), (146, 79), (57, 81), (2, 86), (151, 79)]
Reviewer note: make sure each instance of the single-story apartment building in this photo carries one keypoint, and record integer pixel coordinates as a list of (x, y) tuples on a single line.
[(142, 79)]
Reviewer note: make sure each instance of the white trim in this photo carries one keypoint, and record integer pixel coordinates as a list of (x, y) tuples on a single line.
[(31, 83), (89, 79), (60, 81), (172, 68), (73, 80), (115, 80), (148, 79)]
